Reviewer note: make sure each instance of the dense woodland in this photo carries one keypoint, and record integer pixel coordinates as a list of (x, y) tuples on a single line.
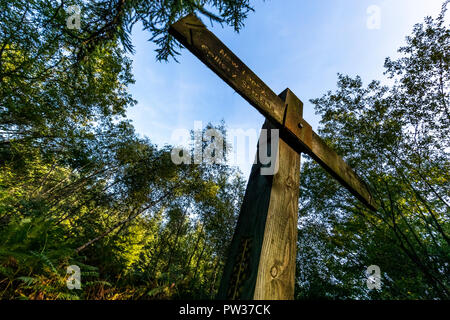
[(78, 186)]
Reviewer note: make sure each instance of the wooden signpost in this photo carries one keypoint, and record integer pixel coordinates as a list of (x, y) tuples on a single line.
[(261, 260)]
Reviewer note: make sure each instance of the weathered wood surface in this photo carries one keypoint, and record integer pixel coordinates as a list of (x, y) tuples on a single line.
[(276, 271), (194, 35), (261, 259), (241, 268)]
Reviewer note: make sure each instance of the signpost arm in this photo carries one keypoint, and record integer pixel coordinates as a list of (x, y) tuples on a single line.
[(194, 35)]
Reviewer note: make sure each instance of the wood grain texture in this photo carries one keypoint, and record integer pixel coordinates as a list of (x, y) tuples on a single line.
[(261, 259), (276, 271), (194, 35), (241, 268), (294, 130)]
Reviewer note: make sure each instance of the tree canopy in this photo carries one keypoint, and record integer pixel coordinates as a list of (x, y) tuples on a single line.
[(397, 138), (78, 185)]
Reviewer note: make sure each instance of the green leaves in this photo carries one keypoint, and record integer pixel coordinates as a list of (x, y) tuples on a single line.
[(396, 138), (76, 183), (156, 17)]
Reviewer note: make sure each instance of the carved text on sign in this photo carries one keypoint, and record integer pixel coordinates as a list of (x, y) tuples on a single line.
[(226, 63)]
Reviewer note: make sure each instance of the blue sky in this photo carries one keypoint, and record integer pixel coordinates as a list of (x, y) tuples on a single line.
[(298, 44)]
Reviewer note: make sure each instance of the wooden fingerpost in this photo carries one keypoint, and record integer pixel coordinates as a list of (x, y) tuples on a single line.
[(261, 260), (296, 131)]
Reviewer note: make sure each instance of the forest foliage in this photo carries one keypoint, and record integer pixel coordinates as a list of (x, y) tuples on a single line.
[(397, 137), (78, 186)]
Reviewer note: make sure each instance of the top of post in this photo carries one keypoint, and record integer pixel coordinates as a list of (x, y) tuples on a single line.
[(286, 115)]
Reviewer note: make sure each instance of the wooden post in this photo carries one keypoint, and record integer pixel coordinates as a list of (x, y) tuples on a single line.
[(261, 261), (294, 130)]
